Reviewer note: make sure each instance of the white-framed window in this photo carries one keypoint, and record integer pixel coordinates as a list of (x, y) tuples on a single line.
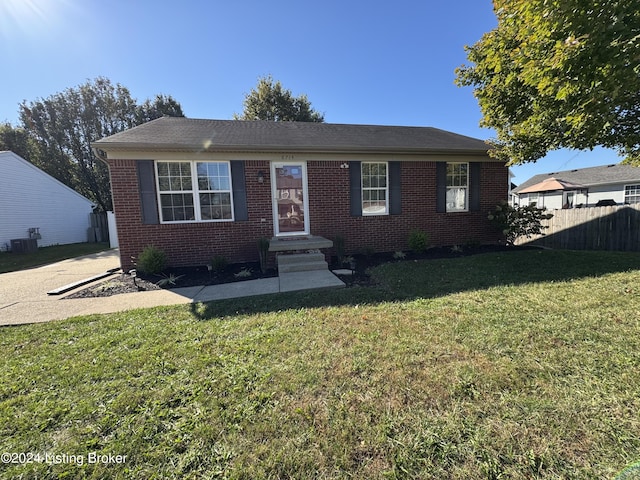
[(194, 191), (457, 187), (375, 188), (631, 194), (537, 199)]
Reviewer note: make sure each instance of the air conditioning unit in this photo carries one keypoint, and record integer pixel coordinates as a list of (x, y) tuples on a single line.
[(24, 245)]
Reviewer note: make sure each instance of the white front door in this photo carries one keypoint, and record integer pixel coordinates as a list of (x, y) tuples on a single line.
[(289, 193)]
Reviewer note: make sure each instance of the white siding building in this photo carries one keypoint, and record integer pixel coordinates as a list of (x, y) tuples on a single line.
[(32, 199)]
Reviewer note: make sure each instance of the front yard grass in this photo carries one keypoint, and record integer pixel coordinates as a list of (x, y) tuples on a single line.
[(511, 365), (11, 262)]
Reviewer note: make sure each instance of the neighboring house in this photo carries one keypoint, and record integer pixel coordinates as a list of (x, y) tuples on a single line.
[(584, 187), (35, 205), (198, 188)]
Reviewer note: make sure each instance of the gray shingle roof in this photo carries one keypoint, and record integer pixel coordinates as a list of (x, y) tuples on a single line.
[(172, 133), (602, 175)]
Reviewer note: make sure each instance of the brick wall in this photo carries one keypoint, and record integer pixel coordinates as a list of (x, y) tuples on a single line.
[(196, 243), (329, 209)]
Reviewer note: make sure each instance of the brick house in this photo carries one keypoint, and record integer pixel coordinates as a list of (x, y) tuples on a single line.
[(198, 188)]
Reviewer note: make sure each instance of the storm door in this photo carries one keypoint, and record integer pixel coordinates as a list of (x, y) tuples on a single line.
[(290, 205)]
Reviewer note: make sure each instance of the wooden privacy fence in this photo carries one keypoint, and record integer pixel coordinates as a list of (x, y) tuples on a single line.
[(591, 228), (99, 229)]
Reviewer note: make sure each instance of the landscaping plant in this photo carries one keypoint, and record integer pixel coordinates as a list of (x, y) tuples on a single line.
[(152, 260), (168, 280), (418, 241), (519, 221), (219, 263)]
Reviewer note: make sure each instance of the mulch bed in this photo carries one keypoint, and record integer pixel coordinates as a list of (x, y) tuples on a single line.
[(196, 276), (173, 278)]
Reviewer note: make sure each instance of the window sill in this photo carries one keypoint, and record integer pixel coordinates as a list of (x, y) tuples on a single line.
[(190, 222)]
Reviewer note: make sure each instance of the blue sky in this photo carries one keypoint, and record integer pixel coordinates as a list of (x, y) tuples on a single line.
[(369, 62)]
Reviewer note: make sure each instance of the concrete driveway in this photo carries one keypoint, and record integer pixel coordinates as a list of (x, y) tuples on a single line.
[(24, 299), (23, 294)]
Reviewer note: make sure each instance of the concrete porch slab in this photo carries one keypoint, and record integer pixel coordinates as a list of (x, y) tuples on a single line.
[(291, 244)]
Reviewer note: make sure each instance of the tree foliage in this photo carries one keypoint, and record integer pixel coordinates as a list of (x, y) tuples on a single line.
[(516, 222), (63, 126), (270, 101), (559, 74), (17, 140)]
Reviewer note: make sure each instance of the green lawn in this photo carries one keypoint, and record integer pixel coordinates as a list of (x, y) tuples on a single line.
[(11, 262), (514, 365)]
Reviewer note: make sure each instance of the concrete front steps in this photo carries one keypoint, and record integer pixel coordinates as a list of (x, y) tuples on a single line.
[(301, 266), (301, 262)]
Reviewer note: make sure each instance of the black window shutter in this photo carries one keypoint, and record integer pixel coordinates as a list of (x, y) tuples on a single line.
[(147, 187), (474, 186), (441, 187), (355, 188), (240, 210), (395, 192)]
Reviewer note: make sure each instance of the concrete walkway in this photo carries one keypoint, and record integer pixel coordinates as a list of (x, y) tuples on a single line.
[(24, 299)]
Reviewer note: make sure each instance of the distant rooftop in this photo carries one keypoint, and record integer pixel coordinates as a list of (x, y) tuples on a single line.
[(602, 175), (186, 134)]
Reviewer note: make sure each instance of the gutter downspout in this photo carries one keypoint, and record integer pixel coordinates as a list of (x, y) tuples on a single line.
[(100, 155)]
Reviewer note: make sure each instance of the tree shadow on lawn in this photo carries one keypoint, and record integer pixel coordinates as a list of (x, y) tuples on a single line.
[(431, 278)]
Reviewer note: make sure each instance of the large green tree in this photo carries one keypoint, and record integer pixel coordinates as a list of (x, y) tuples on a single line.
[(559, 74), (270, 101), (64, 125)]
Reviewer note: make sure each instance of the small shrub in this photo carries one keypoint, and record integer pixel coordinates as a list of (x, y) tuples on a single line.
[(516, 222), (418, 241), (170, 279), (244, 273), (399, 255), (349, 261), (219, 263), (152, 260), (263, 251)]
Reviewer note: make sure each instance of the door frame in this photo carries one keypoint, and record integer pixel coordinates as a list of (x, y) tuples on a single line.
[(305, 197)]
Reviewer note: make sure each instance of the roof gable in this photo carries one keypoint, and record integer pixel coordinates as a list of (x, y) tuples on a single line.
[(7, 156), (179, 133)]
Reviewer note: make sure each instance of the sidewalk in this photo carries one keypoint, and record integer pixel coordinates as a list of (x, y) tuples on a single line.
[(24, 299)]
